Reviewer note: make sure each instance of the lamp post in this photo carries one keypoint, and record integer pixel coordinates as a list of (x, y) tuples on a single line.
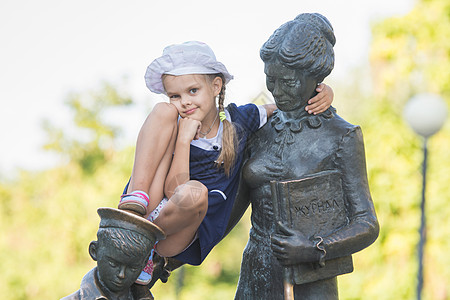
[(425, 113)]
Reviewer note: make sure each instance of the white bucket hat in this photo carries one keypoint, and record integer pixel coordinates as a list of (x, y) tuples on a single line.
[(182, 59)]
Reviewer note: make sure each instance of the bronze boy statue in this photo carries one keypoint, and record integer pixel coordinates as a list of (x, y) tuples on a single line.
[(124, 243)]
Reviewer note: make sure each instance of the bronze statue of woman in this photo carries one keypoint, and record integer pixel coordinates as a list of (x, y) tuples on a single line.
[(292, 145)]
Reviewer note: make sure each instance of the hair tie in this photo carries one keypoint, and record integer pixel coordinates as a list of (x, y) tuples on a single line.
[(222, 116)]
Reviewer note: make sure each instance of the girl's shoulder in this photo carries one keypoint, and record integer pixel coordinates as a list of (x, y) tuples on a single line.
[(242, 110), (250, 115)]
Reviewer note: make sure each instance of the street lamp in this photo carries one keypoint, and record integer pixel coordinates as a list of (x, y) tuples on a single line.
[(425, 113)]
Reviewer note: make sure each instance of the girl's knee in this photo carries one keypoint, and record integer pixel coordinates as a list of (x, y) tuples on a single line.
[(198, 191), (165, 111), (192, 195), (164, 116)]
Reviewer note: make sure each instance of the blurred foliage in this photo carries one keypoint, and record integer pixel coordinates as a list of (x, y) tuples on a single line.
[(48, 218), (411, 54), (93, 141)]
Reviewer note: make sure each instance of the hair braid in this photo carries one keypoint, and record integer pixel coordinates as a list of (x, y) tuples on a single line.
[(227, 155)]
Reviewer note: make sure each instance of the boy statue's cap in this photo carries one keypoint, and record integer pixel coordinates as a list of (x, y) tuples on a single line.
[(116, 218), (191, 57)]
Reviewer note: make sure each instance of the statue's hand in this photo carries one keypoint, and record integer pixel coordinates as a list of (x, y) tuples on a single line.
[(291, 247)]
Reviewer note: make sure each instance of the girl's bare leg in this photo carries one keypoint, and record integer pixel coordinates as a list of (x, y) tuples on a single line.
[(181, 217), (154, 149), (185, 210)]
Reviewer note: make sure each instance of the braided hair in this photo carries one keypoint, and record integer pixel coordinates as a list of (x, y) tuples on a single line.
[(227, 155)]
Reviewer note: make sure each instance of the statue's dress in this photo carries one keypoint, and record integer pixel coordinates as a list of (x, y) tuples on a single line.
[(284, 150)]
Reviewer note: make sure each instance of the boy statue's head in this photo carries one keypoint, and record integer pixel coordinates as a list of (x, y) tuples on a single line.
[(123, 246)]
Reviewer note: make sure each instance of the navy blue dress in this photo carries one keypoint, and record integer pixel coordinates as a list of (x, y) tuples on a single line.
[(222, 189)]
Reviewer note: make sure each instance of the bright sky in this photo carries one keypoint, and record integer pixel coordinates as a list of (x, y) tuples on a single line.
[(51, 47)]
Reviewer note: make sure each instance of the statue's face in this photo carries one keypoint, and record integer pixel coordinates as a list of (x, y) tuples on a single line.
[(116, 270), (291, 89)]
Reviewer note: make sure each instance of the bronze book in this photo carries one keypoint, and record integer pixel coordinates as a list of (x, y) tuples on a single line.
[(313, 205)]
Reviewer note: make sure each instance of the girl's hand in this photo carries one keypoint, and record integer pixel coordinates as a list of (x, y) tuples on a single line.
[(322, 101), (188, 130), (291, 247)]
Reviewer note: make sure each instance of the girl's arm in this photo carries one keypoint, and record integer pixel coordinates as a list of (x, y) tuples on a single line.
[(188, 129), (318, 104), (270, 108)]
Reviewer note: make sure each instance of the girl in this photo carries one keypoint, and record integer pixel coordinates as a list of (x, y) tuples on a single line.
[(189, 152)]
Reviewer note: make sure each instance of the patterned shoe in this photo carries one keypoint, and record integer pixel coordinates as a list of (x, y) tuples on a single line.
[(136, 202), (146, 275)]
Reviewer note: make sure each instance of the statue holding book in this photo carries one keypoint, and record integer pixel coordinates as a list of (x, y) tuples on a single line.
[(305, 177)]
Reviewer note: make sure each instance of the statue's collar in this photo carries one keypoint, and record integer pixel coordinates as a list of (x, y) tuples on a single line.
[(280, 122), (90, 286)]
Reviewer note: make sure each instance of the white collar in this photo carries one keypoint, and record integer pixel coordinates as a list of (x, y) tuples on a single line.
[(214, 143)]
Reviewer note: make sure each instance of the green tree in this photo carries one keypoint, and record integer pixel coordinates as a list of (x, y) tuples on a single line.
[(48, 218), (411, 53), (94, 140)]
